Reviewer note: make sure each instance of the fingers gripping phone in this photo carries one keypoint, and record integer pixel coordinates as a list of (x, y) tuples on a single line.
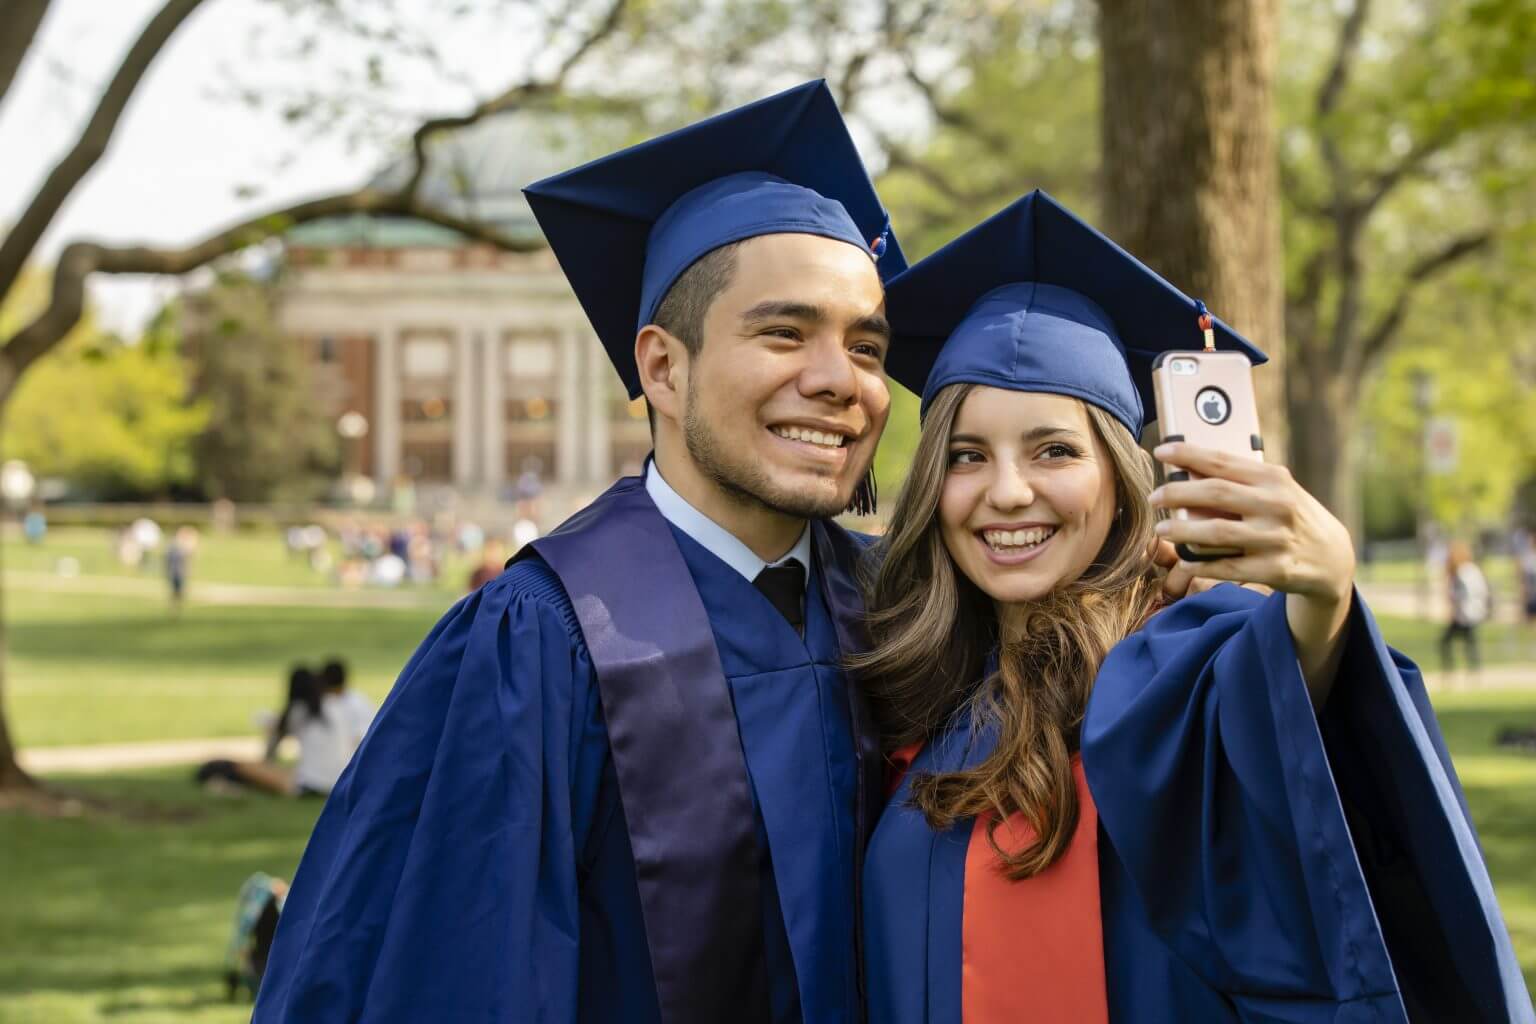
[(1206, 399)]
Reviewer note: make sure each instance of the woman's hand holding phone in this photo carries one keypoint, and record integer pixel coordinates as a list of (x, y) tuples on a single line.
[(1287, 540)]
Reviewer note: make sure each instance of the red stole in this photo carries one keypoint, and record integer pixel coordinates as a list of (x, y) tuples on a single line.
[(1032, 950)]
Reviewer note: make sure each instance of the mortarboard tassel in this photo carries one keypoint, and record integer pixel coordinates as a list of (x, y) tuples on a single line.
[(864, 496), (1207, 325)]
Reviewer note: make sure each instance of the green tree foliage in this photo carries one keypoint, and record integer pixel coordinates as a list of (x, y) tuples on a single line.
[(1471, 349), (1022, 113), (266, 437), (1407, 156), (1018, 111), (1409, 191), (110, 418)]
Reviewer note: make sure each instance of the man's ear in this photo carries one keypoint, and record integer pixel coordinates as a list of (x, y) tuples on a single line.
[(663, 364)]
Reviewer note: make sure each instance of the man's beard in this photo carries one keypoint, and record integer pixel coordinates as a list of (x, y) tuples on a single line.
[(745, 481)]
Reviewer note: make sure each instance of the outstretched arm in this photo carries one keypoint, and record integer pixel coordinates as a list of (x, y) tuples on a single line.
[(1289, 541)]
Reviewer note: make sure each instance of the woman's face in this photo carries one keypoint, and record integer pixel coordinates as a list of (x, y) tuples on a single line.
[(1029, 495)]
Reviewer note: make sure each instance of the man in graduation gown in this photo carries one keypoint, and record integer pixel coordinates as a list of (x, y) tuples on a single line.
[(628, 780)]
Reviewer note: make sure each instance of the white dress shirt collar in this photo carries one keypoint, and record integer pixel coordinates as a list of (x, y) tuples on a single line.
[(716, 539)]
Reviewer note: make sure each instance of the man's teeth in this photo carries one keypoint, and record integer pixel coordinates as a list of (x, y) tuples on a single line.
[(811, 436), (1018, 538)]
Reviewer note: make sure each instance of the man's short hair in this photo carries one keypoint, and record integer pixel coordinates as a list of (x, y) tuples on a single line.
[(682, 310)]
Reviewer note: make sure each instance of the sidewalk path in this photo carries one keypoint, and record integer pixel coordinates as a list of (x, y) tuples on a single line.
[(157, 754)]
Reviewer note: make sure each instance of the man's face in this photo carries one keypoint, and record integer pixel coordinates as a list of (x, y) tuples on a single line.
[(787, 397)]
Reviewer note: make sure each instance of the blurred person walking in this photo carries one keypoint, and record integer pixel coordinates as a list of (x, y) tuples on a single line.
[(178, 553), (1525, 572), (1467, 589)]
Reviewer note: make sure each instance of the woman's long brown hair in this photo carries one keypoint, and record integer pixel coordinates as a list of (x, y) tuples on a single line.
[(932, 630)]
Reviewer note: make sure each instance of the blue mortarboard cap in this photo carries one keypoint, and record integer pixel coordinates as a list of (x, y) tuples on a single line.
[(625, 227), (1033, 299)]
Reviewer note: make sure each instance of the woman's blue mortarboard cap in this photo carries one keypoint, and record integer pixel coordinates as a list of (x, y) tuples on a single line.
[(1033, 299), (625, 227)]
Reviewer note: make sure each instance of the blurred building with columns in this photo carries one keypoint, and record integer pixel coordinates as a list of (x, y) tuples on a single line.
[(451, 364)]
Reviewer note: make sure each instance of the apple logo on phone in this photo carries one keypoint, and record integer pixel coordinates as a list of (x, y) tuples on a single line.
[(1213, 406)]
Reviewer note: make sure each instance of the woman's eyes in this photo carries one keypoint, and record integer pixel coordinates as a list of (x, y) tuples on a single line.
[(970, 456)]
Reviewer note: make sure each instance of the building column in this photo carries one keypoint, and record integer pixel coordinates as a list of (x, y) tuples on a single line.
[(568, 452), (465, 420), (386, 408), (493, 417), (598, 392)]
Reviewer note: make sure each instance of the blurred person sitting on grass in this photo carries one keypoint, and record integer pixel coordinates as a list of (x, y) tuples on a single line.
[(353, 710), (324, 722)]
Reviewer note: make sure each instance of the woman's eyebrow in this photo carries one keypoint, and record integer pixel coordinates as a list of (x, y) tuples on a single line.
[(1039, 433), (1033, 434)]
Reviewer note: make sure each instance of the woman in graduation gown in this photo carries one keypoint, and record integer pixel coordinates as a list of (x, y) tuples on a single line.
[(1235, 808)]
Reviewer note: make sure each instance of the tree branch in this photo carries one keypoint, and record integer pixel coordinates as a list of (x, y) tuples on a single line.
[(1344, 53), (1328, 96), (952, 117), (18, 27), (1375, 341), (93, 140), (81, 259), (1383, 182), (899, 158), (516, 96)]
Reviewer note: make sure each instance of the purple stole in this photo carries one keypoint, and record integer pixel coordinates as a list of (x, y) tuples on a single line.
[(676, 749)]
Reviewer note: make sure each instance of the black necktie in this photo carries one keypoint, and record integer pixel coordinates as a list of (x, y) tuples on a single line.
[(784, 585)]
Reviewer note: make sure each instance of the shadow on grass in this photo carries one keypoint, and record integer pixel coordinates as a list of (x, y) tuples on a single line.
[(130, 919)]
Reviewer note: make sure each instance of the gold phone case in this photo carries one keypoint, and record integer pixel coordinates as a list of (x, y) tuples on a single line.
[(1206, 399)]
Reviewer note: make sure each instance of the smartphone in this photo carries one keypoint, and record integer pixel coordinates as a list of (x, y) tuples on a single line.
[(1206, 399)]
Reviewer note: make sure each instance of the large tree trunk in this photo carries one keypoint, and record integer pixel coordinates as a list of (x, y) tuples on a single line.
[(12, 777), (1190, 178)]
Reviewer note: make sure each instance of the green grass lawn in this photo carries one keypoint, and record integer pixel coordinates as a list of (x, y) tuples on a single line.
[(97, 669), (91, 668), (106, 920), (111, 921)]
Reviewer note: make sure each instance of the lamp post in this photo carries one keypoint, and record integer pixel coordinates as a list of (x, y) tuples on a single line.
[(352, 426), (16, 483)]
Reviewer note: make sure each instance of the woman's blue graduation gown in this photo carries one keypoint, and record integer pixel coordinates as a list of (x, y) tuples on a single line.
[(473, 863), (1257, 862)]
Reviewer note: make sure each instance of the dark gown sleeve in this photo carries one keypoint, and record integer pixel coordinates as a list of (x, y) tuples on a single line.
[(440, 881), (1232, 814)]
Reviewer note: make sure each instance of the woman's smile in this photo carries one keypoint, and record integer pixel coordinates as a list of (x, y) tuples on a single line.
[(1017, 544)]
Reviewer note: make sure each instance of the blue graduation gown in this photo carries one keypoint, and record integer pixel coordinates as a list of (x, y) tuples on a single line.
[(1256, 863), (473, 862)]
